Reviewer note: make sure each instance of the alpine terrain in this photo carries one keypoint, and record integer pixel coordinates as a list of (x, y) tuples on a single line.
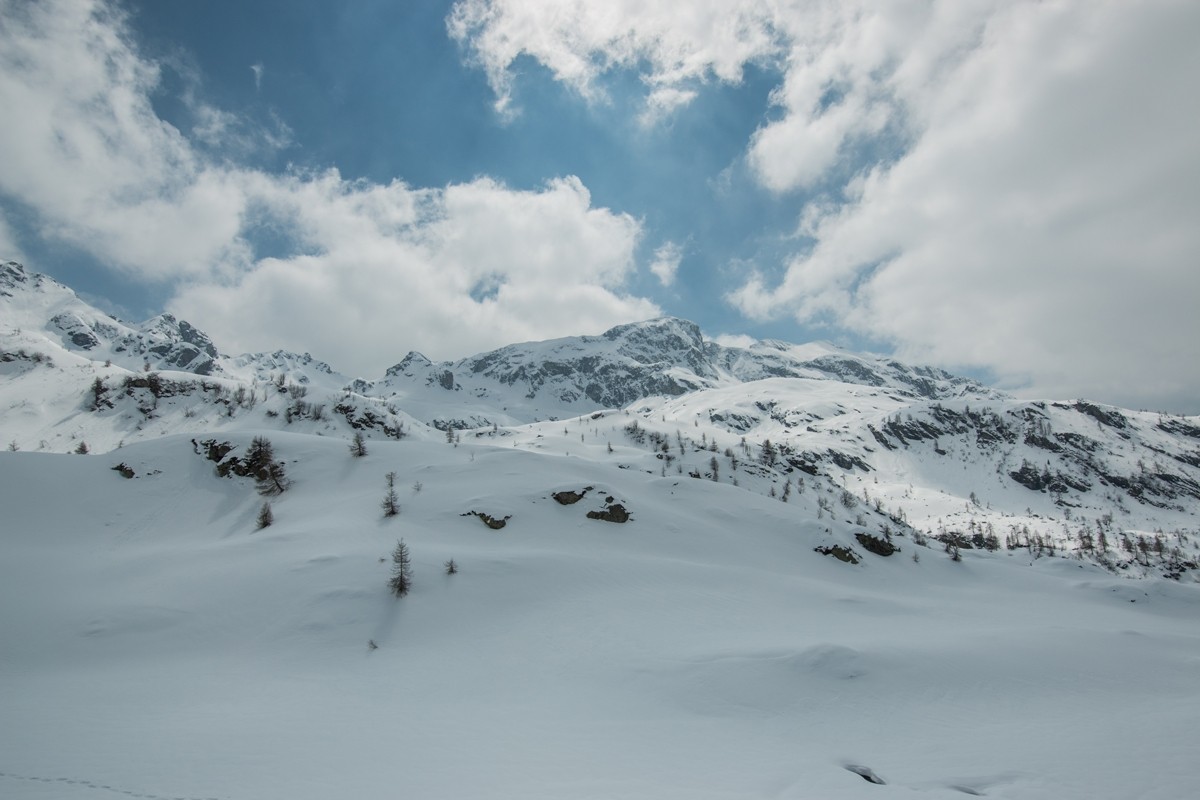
[(634, 565)]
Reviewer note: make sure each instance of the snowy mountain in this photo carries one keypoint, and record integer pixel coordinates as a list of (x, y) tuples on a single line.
[(665, 357), (681, 570), (35, 302), (959, 462)]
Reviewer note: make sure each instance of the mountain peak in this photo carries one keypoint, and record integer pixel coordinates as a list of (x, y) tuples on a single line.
[(14, 277), (684, 333), (12, 273)]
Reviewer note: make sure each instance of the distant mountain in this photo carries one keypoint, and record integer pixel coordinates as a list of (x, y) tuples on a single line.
[(40, 303), (898, 445), (665, 357)]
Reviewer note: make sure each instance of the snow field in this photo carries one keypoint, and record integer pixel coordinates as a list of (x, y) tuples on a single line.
[(157, 644)]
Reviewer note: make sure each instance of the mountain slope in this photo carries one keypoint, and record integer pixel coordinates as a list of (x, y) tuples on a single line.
[(779, 571), (907, 445), (159, 644), (663, 357)]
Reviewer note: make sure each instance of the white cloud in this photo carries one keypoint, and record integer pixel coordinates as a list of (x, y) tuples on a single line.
[(1033, 210), (9, 249), (82, 145), (258, 70), (1042, 224), (579, 40), (375, 269), (735, 340), (399, 269), (666, 262), (662, 103)]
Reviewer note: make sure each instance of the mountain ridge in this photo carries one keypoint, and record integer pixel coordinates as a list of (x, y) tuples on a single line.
[(914, 446)]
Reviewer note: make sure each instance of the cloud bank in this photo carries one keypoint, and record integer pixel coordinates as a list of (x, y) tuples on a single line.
[(355, 272), (1010, 186)]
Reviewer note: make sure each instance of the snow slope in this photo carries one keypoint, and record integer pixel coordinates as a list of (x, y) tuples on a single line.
[(157, 645)]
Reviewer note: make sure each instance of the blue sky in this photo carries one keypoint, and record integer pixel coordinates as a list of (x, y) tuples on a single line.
[(1004, 189), (379, 91)]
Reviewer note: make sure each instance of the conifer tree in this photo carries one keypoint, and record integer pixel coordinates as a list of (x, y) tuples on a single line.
[(401, 580), (269, 474), (358, 447), (265, 516), (391, 502), (768, 453)]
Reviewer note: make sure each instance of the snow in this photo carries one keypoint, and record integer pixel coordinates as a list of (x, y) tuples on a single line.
[(158, 645), (154, 643)]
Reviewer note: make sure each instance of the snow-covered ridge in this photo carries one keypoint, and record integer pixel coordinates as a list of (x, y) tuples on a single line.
[(945, 454), (665, 357), (42, 308), (513, 384)]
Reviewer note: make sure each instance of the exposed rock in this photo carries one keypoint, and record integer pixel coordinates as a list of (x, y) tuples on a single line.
[(838, 552), (613, 513), (494, 523), (570, 498), (876, 545)]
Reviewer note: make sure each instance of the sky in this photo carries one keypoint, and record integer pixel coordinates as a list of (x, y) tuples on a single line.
[(1009, 190)]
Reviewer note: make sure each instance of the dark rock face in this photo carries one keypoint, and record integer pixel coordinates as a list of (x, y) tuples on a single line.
[(875, 544), (75, 332), (1112, 418), (495, 523), (613, 513), (570, 498), (176, 344), (840, 553)]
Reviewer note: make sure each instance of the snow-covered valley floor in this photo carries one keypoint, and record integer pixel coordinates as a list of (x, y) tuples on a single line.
[(154, 643)]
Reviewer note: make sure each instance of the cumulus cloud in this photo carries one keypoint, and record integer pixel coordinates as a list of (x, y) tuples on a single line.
[(447, 272), (9, 249), (735, 340), (88, 148), (1001, 185), (666, 262), (1041, 224), (367, 272), (683, 43)]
